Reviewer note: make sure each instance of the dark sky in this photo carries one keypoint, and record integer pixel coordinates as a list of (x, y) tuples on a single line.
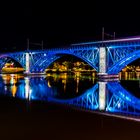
[(63, 23)]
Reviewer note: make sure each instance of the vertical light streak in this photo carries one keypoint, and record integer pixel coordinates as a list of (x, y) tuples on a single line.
[(102, 95), (77, 84), (14, 90), (27, 88), (27, 63)]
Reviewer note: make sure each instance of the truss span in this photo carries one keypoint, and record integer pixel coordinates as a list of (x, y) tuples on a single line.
[(18, 57), (40, 61), (119, 65)]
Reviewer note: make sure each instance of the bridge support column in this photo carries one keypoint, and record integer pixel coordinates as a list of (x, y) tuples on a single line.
[(27, 63), (102, 96), (103, 65), (102, 62)]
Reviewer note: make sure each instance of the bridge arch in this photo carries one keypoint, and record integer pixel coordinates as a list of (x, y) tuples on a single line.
[(5, 58), (116, 68), (52, 57)]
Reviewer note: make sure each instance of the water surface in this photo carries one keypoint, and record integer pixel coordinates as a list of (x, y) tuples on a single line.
[(81, 90)]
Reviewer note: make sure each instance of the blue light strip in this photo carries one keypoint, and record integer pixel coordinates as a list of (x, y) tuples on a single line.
[(109, 41)]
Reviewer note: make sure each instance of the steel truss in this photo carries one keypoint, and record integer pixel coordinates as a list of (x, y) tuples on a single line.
[(120, 55), (18, 57), (41, 60)]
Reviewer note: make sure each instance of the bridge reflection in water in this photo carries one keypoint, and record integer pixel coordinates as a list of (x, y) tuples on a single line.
[(107, 97)]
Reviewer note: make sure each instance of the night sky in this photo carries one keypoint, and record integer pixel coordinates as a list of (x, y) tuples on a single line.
[(62, 23)]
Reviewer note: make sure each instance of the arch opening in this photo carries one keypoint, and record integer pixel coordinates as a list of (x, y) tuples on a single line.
[(123, 63), (67, 74), (10, 65), (134, 66), (69, 63), (46, 60)]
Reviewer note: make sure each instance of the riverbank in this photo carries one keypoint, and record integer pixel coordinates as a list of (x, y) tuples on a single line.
[(36, 120)]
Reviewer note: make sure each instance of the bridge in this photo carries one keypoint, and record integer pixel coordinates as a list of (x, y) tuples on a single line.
[(106, 57)]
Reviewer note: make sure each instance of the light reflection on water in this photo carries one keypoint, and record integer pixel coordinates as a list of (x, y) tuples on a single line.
[(54, 85), (129, 75), (77, 89), (131, 82)]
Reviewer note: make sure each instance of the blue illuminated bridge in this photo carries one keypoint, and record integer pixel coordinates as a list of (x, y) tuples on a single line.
[(106, 57)]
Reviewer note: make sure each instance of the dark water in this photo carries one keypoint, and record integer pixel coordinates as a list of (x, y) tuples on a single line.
[(81, 90), (33, 107)]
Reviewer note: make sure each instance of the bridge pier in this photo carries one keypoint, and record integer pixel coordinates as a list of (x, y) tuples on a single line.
[(102, 62), (27, 63), (103, 65)]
